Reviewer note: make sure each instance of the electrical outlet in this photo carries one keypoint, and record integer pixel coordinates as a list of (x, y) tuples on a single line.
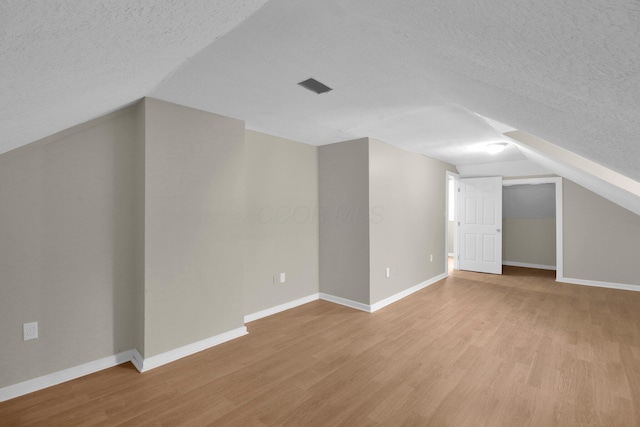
[(387, 272), (431, 258), (30, 331), (282, 277)]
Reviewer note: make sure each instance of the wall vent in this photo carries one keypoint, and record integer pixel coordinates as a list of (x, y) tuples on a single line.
[(315, 86)]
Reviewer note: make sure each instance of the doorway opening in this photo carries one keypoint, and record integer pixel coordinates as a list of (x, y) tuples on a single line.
[(533, 223), (452, 184), (529, 226)]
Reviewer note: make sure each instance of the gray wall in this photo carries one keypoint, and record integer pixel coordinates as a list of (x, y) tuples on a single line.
[(282, 221), (138, 184), (380, 207), (344, 219), (68, 250), (194, 226), (129, 232), (528, 224), (601, 239), (80, 208), (407, 203)]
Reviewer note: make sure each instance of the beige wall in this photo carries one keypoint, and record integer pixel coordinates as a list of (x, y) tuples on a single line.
[(344, 219), (138, 184), (194, 226), (146, 229), (529, 240), (601, 239), (407, 195), (380, 207), (68, 247), (80, 208), (282, 221)]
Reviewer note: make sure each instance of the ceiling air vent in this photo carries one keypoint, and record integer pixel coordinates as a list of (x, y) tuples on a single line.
[(315, 86)]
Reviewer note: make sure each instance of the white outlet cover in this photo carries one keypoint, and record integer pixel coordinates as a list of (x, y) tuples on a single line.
[(282, 277), (388, 272), (30, 331)]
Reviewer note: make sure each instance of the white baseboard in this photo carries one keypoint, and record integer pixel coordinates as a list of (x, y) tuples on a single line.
[(610, 285), (527, 265), (65, 375), (385, 302), (282, 307), (346, 302), (132, 356), (137, 359), (393, 298), (145, 364)]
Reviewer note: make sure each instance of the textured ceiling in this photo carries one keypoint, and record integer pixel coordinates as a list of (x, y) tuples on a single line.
[(63, 62), (411, 73)]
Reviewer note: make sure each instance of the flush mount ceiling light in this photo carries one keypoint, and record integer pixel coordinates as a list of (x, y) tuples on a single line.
[(315, 86), (497, 147)]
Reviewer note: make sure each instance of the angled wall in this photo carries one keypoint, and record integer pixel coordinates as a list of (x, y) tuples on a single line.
[(381, 207), (343, 170), (129, 232), (194, 226), (601, 239), (69, 252), (282, 221), (407, 230)]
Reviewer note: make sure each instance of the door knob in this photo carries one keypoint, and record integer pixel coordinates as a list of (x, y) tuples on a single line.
[(498, 230)]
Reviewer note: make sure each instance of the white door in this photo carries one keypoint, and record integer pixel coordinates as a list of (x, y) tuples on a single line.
[(480, 224)]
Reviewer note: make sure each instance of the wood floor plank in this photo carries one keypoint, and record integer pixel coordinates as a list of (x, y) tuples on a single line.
[(473, 349)]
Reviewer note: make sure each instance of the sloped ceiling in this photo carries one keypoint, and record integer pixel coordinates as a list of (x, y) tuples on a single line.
[(411, 73), (64, 62)]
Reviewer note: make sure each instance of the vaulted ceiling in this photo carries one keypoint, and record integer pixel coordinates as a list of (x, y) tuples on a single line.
[(64, 62), (438, 77)]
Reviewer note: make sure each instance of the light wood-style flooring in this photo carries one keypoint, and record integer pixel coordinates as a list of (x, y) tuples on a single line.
[(471, 350)]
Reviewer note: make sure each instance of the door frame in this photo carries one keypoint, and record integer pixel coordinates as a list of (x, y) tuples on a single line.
[(456, 179), (559, 235)]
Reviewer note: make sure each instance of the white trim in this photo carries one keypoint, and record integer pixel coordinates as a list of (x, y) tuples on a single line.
[(393, 298), (281, 307), (385, 302), (456, 261), (62, 376), (559, 230), (132, 356), (345, 302), (187, 350), (595, 283), (559, 213), (527, 265), (450, 254), (605, 182), (530, 181), (137, 359)]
